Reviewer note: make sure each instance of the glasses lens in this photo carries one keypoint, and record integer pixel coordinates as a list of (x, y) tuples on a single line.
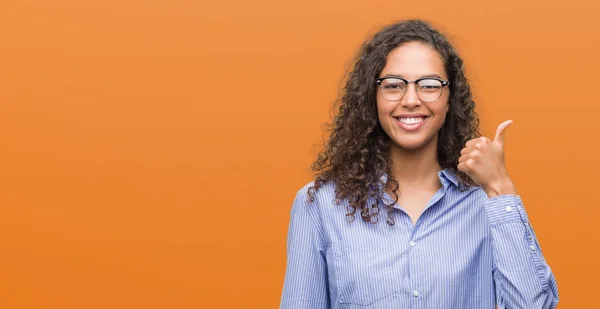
[(429, 90), (393, 89)]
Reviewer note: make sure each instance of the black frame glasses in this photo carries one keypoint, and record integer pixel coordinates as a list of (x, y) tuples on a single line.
[(419, 89)]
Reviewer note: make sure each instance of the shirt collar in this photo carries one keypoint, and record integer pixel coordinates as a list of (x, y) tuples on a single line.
[(447, 177)]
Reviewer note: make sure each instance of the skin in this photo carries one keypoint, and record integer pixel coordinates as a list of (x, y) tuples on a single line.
[(483, 160), (411, 61), (414, 153)]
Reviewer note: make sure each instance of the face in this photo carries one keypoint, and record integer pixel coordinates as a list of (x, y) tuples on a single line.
[(411, 123)]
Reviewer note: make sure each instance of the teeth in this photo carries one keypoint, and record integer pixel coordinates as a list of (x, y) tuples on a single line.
[(411, 120)]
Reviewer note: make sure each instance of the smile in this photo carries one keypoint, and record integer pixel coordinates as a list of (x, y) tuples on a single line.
[(411, 123), (411, 120)]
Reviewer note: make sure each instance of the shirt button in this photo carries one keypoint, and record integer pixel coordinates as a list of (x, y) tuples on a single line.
[(412, 243), (416, 293), (532, 247), (508, 209)]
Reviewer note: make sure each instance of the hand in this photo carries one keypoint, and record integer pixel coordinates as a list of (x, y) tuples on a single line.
[(483, 160)]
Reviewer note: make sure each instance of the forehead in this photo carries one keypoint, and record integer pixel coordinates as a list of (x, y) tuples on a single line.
[(413, 60)]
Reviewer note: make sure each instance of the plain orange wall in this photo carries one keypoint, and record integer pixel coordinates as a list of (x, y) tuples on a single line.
[(150, 150)]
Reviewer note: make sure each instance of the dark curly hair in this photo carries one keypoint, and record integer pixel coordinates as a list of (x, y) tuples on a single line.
[(356, 154)]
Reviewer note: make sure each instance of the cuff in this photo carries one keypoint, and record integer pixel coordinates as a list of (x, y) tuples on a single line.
[(504, 208)]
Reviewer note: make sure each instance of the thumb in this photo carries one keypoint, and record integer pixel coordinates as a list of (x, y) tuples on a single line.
[(499, 139)]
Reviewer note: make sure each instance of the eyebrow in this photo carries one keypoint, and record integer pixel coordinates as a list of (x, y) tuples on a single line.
[(424, 76)]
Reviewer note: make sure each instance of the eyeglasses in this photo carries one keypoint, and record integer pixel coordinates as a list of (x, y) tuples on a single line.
[(429, 89)]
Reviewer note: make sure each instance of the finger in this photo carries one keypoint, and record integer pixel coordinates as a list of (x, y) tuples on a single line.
[(479, 140), (465, 166), (472, 155), (469, 146), (461, 167), (499, 139), (471, 142)]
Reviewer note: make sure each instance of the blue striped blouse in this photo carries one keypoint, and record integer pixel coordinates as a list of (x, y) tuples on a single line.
[(465, 251)]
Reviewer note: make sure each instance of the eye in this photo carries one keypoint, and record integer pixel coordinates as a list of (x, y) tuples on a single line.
[(430, 84), (393, 85)]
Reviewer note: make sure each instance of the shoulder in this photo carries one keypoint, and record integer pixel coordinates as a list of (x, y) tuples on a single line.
[(472, 194), (465, 195), (309, 194), (313, 202), (476, 192)]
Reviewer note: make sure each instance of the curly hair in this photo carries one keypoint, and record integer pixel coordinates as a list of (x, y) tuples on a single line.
[(356, 154)]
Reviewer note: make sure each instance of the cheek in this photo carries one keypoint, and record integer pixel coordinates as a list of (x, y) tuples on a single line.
[(442, 110), (384, 108), (443, 107), (381, 108)]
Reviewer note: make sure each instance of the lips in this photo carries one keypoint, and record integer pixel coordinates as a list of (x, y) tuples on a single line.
[(411, 120), (411, 123)]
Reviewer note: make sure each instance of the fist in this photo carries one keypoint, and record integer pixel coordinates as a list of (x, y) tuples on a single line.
[(483, 160)]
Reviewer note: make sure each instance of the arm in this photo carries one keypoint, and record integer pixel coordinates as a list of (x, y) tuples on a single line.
[(521, 276), (305, 284)]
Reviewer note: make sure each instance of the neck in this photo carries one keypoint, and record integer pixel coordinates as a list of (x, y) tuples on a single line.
[(415, 167)]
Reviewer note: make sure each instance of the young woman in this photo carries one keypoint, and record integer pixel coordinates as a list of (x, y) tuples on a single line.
[(440, 223)]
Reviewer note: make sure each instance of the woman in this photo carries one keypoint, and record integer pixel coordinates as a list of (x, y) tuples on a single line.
[(440, 223)]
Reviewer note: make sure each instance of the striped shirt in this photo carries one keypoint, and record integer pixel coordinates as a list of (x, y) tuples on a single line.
[(465, 251)]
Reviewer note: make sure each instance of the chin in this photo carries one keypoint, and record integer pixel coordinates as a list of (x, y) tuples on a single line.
[(411, 144)]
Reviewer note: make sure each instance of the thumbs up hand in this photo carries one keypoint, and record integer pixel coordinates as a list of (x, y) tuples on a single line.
[(483, 160)]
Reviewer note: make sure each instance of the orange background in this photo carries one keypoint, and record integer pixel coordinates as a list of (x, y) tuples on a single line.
[(150, 150)]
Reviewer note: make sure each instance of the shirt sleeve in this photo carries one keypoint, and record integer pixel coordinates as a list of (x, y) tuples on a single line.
[(305, 284), (522, 277)]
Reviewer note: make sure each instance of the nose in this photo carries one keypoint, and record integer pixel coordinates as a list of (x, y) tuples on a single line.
[(411, 100)]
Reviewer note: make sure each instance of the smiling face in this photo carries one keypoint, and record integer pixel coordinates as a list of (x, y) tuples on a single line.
[(411, 123)]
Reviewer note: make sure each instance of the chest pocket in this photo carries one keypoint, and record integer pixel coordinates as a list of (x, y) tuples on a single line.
[(365, 274)]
